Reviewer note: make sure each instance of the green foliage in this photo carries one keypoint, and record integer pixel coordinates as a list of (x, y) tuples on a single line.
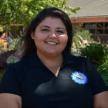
[(1, 28), (81, 39), (13, 44), (103, 67), (22, 11), (98, 53), (94, 51)]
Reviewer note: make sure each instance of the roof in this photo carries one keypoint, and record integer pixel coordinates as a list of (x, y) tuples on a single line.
[(89, 7)]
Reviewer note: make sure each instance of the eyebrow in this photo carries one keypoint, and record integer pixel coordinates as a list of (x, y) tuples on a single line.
[(44, 26), (49, 27)]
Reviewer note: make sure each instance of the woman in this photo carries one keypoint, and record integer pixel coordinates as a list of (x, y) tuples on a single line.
[(48, 76)]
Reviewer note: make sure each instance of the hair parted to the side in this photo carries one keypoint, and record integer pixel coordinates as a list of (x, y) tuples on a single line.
[(48, 12)]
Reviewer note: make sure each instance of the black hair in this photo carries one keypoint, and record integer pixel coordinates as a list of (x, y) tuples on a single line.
[(48, 12)]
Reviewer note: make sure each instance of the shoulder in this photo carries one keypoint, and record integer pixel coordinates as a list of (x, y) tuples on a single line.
[(76, 59), (23, 65), (25, 61), (80, 63), (19, 69)]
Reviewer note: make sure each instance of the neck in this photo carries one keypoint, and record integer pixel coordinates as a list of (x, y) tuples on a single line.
[(53, 63)]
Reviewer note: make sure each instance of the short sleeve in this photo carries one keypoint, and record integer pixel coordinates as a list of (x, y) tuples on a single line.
[(10, 83), (97, 84)]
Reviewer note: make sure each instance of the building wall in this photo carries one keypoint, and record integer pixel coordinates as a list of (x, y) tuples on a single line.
[(98, 26)]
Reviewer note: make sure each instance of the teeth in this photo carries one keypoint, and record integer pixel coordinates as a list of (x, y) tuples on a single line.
[(52, 43)]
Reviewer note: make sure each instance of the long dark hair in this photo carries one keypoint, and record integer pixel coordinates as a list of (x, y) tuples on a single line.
[(47, 12)]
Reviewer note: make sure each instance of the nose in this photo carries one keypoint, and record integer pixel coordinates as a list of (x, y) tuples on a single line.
[(53, 34)]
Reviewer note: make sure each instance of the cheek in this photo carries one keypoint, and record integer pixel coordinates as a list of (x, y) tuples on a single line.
[(65, 40), (36, 37)]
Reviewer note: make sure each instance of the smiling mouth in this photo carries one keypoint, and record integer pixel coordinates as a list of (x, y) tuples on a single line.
[(52, 43)]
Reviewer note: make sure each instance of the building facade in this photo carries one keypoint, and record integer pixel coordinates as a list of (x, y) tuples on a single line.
[(93, 16)]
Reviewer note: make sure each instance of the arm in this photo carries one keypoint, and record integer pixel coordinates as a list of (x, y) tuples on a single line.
[(101, 100), (98, 87), (10, 93), (10, 101)]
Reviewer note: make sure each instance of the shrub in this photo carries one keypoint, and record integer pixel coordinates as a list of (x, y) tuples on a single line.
[(98, 53), (82, 38), (103, 68), (95, 52)]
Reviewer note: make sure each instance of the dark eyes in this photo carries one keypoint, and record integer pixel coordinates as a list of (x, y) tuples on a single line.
[(56, 31), (60, 31), (44, 29)]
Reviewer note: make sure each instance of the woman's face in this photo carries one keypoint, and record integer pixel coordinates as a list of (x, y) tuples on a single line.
[(50, 37)]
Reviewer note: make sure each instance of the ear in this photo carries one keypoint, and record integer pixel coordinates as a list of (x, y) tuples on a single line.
[(32, 35)]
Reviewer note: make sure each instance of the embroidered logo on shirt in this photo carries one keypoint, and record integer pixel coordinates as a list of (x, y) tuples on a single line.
[(79, 77)]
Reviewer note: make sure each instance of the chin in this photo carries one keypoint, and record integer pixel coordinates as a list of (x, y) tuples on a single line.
[(53, 54)]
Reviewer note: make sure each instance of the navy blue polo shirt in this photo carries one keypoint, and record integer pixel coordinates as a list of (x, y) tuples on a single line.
[(74, 87)]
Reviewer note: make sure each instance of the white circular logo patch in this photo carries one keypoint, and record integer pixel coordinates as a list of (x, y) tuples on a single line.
[(79, 77)]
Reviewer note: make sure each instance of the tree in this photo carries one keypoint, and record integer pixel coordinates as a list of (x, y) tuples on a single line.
[(21, 11)]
